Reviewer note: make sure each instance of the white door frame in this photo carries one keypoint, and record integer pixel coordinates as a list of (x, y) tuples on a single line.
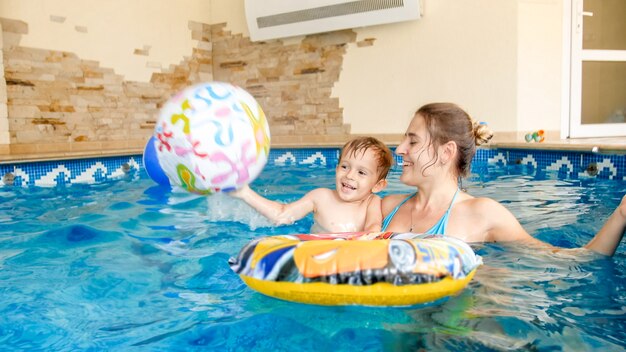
[(573, 56), (566, 69)]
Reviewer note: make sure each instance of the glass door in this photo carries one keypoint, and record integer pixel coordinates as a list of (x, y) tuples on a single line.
[(598, 77)]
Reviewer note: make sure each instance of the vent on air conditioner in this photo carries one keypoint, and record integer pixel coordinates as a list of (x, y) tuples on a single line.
[(269, 19)]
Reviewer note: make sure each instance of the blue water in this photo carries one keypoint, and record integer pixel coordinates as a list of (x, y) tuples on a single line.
[(126, 265)]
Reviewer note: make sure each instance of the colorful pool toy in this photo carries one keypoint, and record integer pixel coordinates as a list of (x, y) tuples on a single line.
[(212, 137), (537, 136), (152, 165), (374, 269)]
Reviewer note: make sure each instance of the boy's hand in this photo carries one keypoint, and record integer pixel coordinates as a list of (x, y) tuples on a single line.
[(622, 207)]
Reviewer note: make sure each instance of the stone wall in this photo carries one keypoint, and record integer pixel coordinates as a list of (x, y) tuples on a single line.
[(62, 102), (4, 121)]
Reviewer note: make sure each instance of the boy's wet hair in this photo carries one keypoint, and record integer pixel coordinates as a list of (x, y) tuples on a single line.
[(359, 145)]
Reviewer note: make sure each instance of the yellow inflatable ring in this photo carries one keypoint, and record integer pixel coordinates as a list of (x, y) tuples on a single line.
[(374, 269)]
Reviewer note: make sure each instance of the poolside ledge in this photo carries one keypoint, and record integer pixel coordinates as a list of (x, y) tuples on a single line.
[(79, 150)]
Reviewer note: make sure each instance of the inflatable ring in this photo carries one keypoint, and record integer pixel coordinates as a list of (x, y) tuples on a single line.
[(374, 269)]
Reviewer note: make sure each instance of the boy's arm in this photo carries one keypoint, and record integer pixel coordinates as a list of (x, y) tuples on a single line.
[(278, 213), (374, 215), (610, 235)]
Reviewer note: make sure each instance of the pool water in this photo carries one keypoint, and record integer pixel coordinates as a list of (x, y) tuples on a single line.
[(127, 265)]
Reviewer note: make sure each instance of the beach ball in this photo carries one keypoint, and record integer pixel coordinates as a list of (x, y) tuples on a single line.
[(151, 163), (212, 137)]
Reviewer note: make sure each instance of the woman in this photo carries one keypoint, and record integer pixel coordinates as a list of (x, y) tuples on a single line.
[(437, 151)]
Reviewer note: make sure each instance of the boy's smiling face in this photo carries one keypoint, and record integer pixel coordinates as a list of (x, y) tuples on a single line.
[(356, 176)]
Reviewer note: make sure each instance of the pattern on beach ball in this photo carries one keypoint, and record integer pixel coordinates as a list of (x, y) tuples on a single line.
[(212, 137)]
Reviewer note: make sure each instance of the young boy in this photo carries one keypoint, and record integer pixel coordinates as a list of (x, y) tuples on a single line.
[(351, 206)]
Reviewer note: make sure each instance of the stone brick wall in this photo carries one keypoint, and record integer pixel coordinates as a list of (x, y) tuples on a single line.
[(55, 97), (292, 83), (4, 121)]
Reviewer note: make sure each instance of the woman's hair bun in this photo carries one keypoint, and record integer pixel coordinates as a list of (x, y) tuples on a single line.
[(482, 133)]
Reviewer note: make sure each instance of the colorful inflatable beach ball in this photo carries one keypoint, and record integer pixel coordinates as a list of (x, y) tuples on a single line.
[(212, 137), (152, 165)]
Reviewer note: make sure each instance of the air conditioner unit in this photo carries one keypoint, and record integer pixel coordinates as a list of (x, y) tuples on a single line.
[(270, 19)]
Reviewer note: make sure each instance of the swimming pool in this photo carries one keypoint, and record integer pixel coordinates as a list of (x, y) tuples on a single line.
[(127, 265)]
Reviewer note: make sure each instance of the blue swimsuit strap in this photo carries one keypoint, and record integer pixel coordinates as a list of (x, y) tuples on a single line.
[(438, 229), (390, 216)]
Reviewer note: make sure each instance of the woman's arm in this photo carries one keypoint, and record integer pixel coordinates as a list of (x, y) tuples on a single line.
[(505, 227), (610, 235), (492, 222), (278, 213)]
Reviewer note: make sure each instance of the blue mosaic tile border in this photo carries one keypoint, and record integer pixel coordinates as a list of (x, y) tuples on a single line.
[(64, 172), (305, 156), (566, 164)]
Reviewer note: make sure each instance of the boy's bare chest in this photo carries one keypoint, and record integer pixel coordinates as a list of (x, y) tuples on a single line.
[(347, 217)]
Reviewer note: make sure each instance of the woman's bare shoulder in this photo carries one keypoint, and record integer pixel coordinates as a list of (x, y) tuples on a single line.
[(478, 208), (498, 223), (391, 201), (480, 205), (395, 198)]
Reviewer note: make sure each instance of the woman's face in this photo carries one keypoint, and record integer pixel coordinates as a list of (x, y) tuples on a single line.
[(417, 152)]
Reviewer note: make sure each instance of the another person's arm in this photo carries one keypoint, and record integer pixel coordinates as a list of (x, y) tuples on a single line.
[(278, 213), (610, 235)]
